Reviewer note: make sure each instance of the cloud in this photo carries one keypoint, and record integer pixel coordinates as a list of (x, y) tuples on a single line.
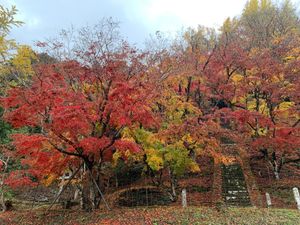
[(173, 13), (45, 18)]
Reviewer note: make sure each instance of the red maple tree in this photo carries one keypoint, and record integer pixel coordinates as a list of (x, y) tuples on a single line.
[(80, 112)]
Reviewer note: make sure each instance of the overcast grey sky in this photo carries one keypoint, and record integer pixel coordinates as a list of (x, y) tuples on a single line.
[(139, 18)]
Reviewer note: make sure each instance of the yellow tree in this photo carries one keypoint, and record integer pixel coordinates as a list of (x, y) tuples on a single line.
[(15, 60), (262, 20)]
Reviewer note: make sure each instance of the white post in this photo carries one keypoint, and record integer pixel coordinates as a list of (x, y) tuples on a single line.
[(297, 197), (268, 198), (184, 202)]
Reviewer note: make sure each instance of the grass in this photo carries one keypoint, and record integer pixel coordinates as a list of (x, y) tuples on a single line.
[(156, 216)]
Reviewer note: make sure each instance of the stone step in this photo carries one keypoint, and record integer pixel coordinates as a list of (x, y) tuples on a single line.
[(235, 181), (235, 196), (233, 176), (234, 187), (229, 196), (231, 199), (235, 193), (234, 184), (229, 176), (237, 201), (239, 204)]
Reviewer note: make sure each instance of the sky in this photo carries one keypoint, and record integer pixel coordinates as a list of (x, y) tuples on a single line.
[(138, 18)]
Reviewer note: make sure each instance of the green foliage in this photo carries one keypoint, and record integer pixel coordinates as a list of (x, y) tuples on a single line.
[(160, 155), (8, 193), (5, 129), (177, 157)]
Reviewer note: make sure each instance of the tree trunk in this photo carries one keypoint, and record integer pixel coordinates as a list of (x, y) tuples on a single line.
[(276, 175), (173, 182), (95, 195), (275, 166), (2, 201), (90, 198), (276, 171), (86, 203), (117, 181), (4, 170)]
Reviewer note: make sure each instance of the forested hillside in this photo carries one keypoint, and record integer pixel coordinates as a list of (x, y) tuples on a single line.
[(88, 120)]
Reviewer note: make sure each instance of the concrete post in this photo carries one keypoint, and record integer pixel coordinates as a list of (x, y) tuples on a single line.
[(184, 201), (297, 197), (268, 198)]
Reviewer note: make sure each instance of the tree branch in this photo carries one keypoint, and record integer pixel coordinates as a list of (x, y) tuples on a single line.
[(63, 151), (292, 161), (295, 124)]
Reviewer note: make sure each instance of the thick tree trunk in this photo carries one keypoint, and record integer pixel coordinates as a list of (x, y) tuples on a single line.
[(90, 198), (90, 187), (86, 203)]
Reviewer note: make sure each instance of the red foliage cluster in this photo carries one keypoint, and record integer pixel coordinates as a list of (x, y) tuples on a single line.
[(81, 111)]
